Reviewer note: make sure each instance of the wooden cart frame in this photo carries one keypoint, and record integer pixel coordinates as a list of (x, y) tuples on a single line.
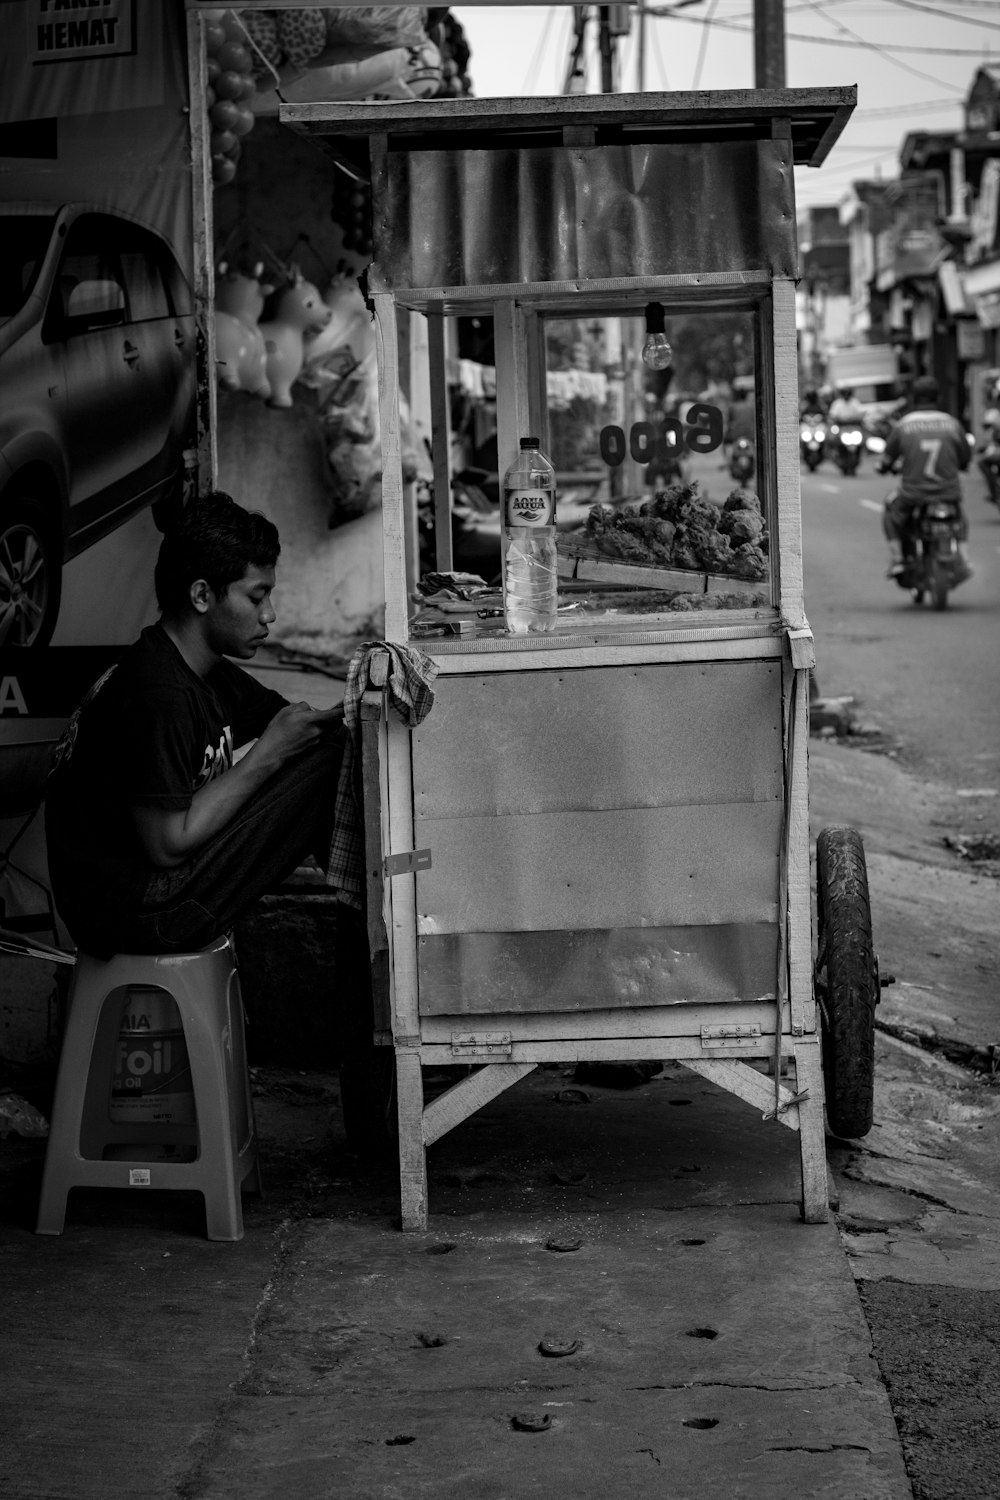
[(420, 831)]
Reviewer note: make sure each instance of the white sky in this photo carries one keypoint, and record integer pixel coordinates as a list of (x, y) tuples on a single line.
[(525, 50)]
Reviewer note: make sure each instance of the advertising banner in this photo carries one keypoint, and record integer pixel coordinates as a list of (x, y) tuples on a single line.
[(97, 329)]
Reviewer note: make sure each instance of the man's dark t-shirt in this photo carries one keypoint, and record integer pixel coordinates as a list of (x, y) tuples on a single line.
[(151, 736)]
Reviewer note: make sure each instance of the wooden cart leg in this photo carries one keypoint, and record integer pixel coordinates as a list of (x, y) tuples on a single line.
[(812, 1134), (412, 1152)]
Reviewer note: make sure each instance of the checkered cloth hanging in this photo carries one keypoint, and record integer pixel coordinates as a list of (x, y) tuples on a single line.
[(408, 684)]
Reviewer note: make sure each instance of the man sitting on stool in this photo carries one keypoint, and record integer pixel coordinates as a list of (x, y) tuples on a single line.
[(183, 789)]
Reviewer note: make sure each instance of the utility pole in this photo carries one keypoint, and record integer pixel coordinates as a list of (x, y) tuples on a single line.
[(607, 47), (769, 44)]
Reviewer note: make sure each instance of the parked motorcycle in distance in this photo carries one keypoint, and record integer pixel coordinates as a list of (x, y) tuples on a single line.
[(847, 441), (812, 442), (742, 460), (934, 566)]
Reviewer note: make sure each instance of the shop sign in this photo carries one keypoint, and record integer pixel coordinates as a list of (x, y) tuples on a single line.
[(75, 30), (983, 221), (971, 342)]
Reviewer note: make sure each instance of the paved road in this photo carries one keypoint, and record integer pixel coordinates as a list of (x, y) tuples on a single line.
[(931, 679), (920, 1196)]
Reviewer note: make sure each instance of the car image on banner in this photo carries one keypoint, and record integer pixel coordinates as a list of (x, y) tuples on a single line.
[(97, 379)]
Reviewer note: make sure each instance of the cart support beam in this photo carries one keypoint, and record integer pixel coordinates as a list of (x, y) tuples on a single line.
[(472, 1093)]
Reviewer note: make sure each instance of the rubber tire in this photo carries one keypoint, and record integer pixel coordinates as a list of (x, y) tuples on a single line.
[(21, 516), (812, 462), (938, 584), (847, 982)]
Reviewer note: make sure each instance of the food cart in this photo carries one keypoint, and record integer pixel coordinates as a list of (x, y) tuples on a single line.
[(596, 844)]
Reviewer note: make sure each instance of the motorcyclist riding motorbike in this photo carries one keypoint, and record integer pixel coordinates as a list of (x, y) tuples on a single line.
[(812, 430), (846, 431), (988, 461), (741, 435), (932, 449), (845, 407)]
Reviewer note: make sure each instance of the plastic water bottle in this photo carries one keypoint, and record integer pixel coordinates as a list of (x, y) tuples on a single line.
[(529, 542)]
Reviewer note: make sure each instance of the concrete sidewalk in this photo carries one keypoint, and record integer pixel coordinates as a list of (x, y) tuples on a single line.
[(615, 1296)]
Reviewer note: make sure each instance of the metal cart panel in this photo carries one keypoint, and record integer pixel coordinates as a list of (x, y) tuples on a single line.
[(478, 973), (627, 867), (607, 737), (552, 214)]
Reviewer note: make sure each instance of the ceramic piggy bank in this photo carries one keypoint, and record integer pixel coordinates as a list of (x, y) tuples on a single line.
[(299, 309), (239, 344)]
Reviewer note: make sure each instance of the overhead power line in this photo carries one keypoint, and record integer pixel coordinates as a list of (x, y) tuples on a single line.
[(884, 111), (872, 46), (949, 15), (827, 41)]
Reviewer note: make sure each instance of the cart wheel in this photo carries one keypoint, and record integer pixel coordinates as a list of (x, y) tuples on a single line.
[(847, 982)]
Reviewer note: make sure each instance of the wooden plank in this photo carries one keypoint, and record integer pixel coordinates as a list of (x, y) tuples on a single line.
[(753, 1087), (651, 866), (451, 1108), (594, 566), (676, 1025), (694, 644), (398, 821), (440, 438), (812, 1135), (786, 402), (816, 116), (393, 534), (800, 978), (538, 391), (565, 298), (605, 737), (412, 1153), (513, 380), (620, 1049), (375, 902)]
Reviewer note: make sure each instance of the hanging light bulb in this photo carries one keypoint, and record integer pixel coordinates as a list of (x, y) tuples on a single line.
[(656, 350)]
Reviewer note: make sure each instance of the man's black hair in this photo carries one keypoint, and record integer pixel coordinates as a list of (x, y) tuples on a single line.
[(214, 539), (926, 389)]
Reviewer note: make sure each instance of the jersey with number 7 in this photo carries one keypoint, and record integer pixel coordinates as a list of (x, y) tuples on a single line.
[(932, 449)]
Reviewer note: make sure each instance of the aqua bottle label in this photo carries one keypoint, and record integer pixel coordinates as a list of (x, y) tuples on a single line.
[(535, 507)]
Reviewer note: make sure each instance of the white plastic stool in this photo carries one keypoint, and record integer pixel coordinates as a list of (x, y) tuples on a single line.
[(205, 988)]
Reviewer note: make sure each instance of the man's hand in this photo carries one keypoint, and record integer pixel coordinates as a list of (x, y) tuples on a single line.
[(169, 836), (295, 728)]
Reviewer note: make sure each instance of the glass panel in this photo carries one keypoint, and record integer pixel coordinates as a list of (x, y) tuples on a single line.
[(654, 427), (661, 514)]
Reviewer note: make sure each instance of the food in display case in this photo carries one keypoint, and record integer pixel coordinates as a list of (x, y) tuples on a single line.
[(678, 528)]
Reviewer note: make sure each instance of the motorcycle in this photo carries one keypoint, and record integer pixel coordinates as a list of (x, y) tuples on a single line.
[(812, 442), (666, 467), (989, 466), (742, 461), (932, 562), (846, 443), (877, 433)]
